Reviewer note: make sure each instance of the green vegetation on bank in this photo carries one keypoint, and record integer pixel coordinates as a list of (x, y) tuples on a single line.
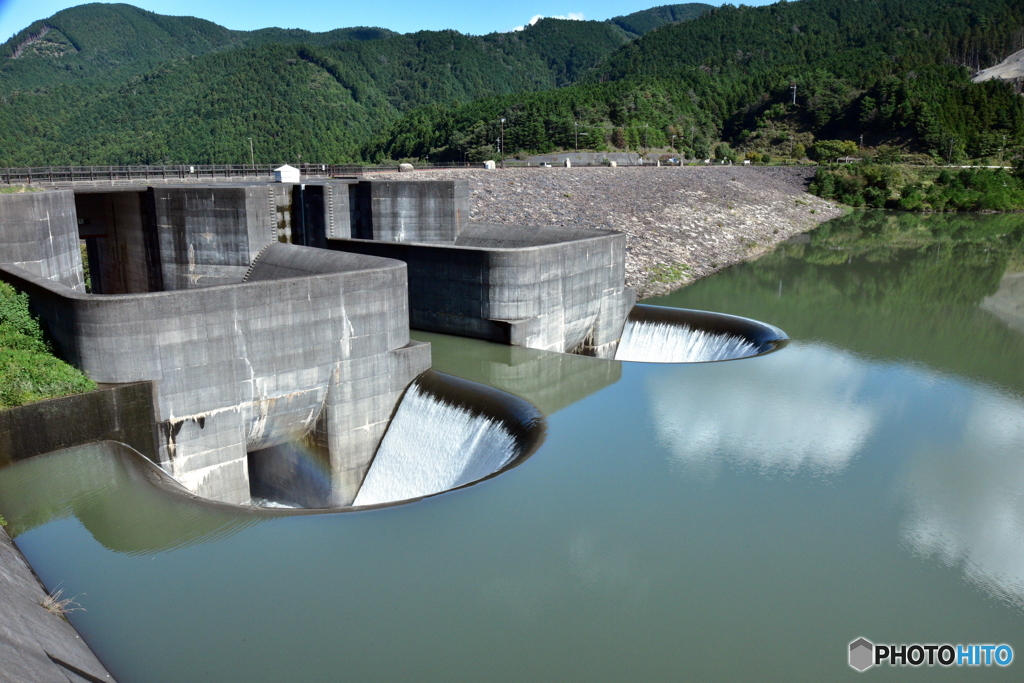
[(905, 188), (28, 370)]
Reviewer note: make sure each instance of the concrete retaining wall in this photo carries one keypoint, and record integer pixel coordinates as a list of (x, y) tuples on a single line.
[(122, 413), (209, 235), (409, 210)]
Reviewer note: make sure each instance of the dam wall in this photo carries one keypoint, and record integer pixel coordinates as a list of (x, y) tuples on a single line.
[(409, 210), (555, 289), (253, 341), (162, 238)]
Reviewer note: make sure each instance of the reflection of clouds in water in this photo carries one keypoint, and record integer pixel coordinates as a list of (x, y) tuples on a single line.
[(795, 409), (813, 408), (967, 500)]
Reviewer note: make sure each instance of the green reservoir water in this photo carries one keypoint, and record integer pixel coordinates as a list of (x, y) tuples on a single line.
[(733, 521)]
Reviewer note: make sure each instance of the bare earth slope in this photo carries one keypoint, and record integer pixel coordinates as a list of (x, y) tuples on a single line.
[(681, 223), (1011, 68)]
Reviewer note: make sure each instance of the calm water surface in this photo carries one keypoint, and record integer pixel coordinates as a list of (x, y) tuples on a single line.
[(735, 521)]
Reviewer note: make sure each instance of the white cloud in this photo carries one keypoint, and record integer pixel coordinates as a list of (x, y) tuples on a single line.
[(571, 16)]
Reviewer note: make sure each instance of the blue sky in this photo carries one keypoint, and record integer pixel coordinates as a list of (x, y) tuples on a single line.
[(467, 16)]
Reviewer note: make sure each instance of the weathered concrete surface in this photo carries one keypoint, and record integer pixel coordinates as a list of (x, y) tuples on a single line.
[(39, 234), (208, 235), (35, 645), (409, 210), (681, 223), (121, 413), (183, 237), (554, 289), (243, 367)]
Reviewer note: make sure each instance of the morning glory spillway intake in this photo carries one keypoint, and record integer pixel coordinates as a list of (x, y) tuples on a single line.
[(447, 433), (664, 343), (655, 334)]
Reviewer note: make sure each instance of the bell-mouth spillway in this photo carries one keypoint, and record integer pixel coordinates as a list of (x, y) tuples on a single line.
[(446, 433), (656, 334)]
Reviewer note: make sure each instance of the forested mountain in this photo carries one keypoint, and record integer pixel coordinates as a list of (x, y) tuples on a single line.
[(103, 84), (100, 84), (644, 21), (892, 70), (106, 44)]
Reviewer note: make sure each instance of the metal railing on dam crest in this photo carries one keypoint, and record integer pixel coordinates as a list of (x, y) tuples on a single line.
[(177, 173)]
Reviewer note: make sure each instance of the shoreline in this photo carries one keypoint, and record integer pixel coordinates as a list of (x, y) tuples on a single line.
[(681, 223)]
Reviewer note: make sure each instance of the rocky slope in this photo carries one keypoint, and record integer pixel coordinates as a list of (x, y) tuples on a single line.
[(681, 223)]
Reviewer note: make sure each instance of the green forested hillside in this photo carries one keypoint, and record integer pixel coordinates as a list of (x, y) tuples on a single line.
[(644, 21), (106, 44), (892, 70), (114, 84)]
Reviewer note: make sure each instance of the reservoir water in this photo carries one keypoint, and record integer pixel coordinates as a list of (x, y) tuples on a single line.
[(732, 521)]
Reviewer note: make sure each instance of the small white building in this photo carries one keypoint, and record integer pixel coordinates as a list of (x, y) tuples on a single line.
[(286, 174)]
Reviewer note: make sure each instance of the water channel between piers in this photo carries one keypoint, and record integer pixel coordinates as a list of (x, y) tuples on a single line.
[(742, 520)]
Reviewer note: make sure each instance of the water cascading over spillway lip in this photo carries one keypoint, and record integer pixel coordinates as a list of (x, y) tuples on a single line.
[(730, 337), (449, 433)]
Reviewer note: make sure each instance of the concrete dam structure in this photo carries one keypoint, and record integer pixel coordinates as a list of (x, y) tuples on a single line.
[(270, 315), (249, 342)]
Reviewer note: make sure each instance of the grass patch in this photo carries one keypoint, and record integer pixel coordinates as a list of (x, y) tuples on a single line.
[(28, 369), (54, 604), (18, 189), (669, 272)]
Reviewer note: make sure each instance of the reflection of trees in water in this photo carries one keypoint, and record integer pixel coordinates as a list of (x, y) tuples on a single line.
[(903, 261), (127, 503), (892, 285)]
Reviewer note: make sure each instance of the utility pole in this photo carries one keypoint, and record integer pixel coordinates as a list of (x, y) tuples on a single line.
[(252, 156), (501, 145), (576, 147), (794, 93), (1002, 151)]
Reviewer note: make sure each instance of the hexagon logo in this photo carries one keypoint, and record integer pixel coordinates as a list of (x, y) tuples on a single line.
[(862, 653)]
